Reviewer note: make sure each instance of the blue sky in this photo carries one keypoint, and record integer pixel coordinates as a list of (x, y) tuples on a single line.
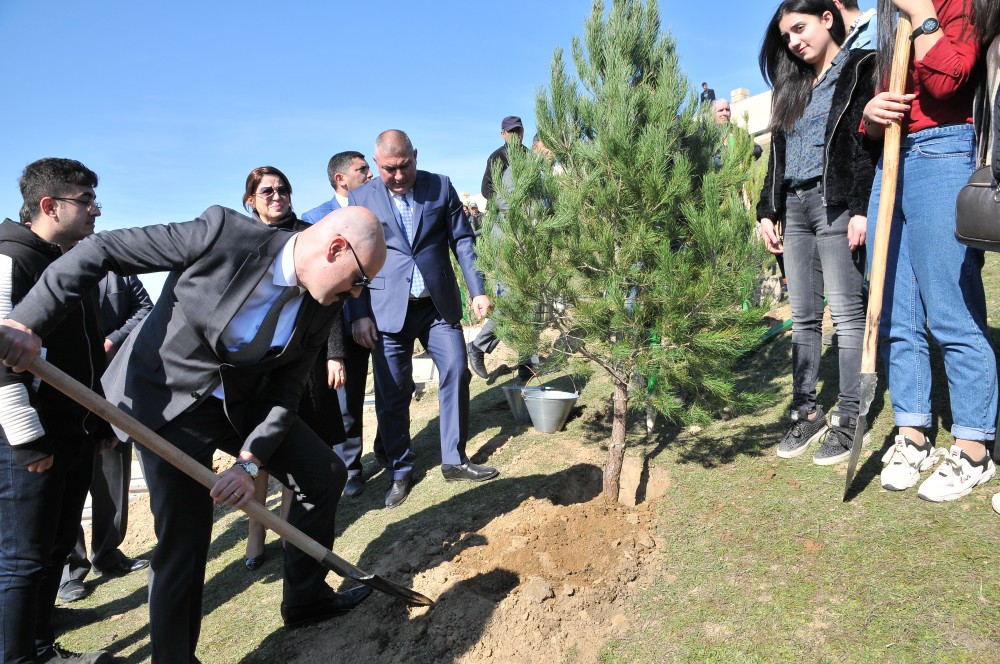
[(173, 103)]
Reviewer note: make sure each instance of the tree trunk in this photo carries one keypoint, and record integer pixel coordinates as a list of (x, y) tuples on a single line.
[(616, 449)]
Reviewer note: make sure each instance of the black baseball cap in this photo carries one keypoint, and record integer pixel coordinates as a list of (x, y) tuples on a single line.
[(511, 122)]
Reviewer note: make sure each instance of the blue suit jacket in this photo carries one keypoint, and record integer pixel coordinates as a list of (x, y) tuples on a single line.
[(320, 211), (440, 225)]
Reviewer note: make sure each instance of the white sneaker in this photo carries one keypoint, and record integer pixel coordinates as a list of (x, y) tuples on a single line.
[(956, 477), (904, 462), (996, 503)]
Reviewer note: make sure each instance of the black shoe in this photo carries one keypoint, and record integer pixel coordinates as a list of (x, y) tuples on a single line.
[(468, 472), (525, 372), (477, 360), (398, 492), (355, 485), (338, 605), (72, 590), (124, 566), (56, 653), (253, 563)]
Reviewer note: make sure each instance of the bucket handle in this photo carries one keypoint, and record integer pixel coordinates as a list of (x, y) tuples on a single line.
[(535, 374)]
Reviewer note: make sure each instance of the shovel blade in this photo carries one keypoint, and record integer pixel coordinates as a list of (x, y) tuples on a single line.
[(869, 381), (341, 567)]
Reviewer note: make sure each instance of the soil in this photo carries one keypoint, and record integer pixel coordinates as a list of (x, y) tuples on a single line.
[(546, 580)]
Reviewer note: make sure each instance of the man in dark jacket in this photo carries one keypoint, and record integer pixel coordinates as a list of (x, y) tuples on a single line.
[(48, 441), (486, 341), (510, 128), (124, 303)]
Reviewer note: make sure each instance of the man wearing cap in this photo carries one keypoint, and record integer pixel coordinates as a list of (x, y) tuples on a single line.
[(510, 127), (475, 218), (486, 341)]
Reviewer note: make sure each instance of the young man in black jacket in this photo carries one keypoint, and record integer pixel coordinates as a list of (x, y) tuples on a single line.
[(124, 303), (48, 441)]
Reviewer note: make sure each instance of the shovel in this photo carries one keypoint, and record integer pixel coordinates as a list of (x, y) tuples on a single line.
[(156, 443), (880, 247)]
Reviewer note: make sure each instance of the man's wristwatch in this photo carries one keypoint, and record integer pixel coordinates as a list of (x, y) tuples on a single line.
[(248, 466), (925, 28)]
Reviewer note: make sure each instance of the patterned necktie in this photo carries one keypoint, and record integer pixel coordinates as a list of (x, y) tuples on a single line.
[(406, 217), (257, 347)]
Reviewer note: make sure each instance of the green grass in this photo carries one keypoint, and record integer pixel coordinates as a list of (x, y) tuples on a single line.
[(762, 560)]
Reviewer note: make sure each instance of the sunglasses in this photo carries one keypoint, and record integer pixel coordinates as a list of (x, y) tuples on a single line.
[(270, 192), (364, 281)]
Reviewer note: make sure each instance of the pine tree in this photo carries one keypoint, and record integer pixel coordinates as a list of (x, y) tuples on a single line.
[(633, 247)]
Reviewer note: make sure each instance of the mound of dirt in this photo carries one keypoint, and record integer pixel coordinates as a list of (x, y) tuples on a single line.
[(551, 577)]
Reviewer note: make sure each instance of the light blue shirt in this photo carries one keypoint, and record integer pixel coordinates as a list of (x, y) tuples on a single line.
[(244, 325), (397, 200), (862, 33)]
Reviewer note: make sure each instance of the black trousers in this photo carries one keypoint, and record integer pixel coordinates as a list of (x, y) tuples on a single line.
[(182, 519), (109, 515), (352, 404)]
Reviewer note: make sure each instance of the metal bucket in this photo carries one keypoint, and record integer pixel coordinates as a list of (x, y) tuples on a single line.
[(515, 399), (549, 408)]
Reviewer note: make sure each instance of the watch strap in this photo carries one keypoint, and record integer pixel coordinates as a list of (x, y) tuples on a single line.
[(934, 24), (249, 467)]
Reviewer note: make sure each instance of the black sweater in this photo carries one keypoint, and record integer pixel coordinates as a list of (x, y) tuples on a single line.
[(34, 415), (849, 157)]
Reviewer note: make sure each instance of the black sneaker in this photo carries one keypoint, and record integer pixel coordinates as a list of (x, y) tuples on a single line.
[(803, 433), (56, 653), (838, 443)]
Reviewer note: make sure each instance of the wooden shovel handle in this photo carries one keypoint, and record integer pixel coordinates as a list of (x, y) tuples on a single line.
[(164, 449), (879, 245)]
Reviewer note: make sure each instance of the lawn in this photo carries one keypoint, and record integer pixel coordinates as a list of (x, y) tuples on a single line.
[(756, 559)]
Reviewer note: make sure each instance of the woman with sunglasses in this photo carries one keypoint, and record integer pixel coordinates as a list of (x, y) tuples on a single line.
[(933, 284), (268, 198), (817, 184)]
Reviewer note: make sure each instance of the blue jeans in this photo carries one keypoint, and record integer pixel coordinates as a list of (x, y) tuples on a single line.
[(934, 284), (39, 520), (818, 259)]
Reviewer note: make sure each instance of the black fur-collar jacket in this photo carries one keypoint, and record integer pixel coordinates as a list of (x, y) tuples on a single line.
[(849, 157)]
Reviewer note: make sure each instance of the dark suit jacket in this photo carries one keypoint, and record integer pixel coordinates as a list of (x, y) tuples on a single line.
[(124, 303), (175, 358), (439, 225)]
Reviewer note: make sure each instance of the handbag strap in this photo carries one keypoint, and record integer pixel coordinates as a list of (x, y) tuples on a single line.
[(993, 124)]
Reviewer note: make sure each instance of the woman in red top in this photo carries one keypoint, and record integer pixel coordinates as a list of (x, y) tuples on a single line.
[(933, 283)]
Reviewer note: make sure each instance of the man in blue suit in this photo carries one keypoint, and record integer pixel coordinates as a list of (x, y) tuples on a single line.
[(422, 218), (347, 170)]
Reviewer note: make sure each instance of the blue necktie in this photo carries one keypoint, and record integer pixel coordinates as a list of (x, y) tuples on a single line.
[(406, 218), (257, 347)]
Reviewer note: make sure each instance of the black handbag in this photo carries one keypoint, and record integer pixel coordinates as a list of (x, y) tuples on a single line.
[(977, 211)]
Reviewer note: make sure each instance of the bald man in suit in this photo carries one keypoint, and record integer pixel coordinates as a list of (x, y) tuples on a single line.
[(220, 363)]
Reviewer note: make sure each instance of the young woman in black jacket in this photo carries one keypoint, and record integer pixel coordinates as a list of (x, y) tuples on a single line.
[(818, 182)]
